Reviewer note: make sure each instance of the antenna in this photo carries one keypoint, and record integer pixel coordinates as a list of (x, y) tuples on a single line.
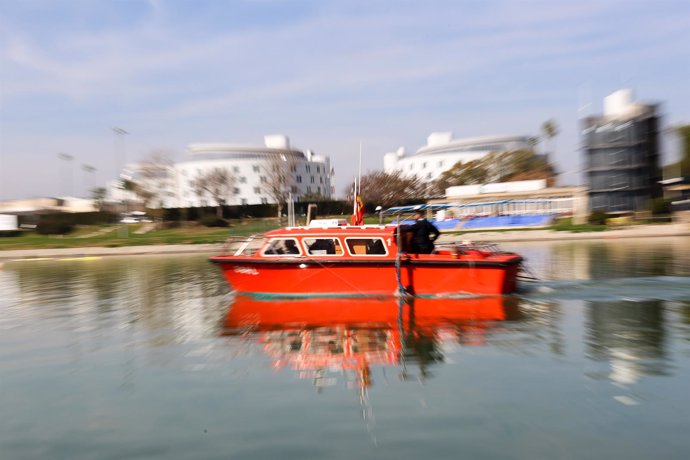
[(584, 100)]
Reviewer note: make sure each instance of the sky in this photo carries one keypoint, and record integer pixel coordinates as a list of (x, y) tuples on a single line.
[(328, 74)]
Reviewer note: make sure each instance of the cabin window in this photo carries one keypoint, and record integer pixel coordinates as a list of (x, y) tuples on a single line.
[(366, 246), (323, 246), (282, 247)]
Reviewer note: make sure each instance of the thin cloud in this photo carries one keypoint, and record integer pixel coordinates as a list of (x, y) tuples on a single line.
[(392, 71)]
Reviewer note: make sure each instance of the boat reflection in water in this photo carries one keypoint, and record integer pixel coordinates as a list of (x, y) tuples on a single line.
[(321, 338)]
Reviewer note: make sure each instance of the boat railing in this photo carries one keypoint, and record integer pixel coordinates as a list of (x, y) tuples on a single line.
[(243, 245), (484, 246), (525, 272)]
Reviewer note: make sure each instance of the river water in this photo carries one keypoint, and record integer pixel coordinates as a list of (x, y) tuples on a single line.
[(151, 358)]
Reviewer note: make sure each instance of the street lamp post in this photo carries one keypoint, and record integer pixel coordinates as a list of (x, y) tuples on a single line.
[(120, 134), (88, 182), (66, 173)]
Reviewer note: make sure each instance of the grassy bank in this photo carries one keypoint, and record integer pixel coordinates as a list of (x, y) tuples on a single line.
[(131, 234), (128, 235)]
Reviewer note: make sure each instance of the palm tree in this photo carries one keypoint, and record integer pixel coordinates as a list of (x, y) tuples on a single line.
[(550, 130)]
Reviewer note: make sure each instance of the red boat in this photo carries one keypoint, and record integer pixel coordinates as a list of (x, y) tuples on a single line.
[(330, 258)]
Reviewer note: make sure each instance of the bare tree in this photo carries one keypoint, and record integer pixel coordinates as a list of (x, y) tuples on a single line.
[(153, 177), (219, 184), (98, 195), (378, 187), (278, 179)]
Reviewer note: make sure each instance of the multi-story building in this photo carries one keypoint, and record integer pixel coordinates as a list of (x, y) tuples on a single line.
[(442, 152), (622, 154), (252, 169)]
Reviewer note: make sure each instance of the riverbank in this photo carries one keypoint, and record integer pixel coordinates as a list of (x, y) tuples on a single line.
[(633, 231), (637, 231), (58, 253)]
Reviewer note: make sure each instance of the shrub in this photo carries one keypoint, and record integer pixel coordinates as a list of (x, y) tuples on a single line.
[(171, 224), (562, 222), (212, 221), (172, 214), (51, 227), (597, 218), (660, 206)]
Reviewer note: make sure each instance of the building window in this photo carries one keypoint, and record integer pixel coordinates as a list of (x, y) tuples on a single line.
[(257, 190), (424, 165), (298, 179), (264, 200), (307, 168), (320, 180), (312, 179), (256, 168), (262, 179), (318, 169), (293, 189), (244, 202), (411, 166), (308, 189), (236, 190), (440, 164), (243, 180), (293, 168), (318, 190), (236, 169)]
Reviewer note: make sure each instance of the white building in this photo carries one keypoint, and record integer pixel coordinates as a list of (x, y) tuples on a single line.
[(68, 204), (250, 167), (442, 152)]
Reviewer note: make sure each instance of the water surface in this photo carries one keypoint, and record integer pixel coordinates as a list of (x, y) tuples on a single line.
[(150, 357)]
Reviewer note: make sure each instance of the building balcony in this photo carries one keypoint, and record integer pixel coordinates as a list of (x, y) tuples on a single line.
[(617, 167), (613, 189)]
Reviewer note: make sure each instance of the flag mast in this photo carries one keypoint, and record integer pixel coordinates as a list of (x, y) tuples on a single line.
[(359, 180)]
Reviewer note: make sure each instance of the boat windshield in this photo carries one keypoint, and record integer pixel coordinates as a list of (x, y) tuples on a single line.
[(282, 247), (243, 245)]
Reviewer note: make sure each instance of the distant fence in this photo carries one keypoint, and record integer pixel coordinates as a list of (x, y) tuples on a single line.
[(323, 208)]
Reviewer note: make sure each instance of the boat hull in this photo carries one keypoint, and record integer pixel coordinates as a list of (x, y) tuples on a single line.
[(420, 276)]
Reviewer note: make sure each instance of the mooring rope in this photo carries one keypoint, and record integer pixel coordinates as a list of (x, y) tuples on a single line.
[(402, 292)]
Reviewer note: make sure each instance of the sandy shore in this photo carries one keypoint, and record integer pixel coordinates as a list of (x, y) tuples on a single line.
[(638, 231)]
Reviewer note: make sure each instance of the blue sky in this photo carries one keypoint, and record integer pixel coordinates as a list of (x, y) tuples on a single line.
[(326, 73)]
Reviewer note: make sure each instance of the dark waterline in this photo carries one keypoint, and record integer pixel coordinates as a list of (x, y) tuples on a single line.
[(149, 357)]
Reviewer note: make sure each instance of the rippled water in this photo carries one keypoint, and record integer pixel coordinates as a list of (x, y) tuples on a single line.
[(149, 357)]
